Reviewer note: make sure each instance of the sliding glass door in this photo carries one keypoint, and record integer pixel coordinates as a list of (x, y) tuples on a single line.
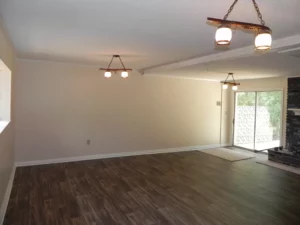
[(258, 119), (244, 122)]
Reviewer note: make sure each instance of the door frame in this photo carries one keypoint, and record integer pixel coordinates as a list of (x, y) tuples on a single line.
[(281, 114)]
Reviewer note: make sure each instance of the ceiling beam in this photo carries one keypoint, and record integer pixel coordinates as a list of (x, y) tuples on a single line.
[(277, 45), (289, 50)]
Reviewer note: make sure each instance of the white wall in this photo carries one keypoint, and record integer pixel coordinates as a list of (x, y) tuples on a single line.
[(227, 117), (61, 106), (7, 135)]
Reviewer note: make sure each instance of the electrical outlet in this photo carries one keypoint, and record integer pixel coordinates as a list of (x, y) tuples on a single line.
[(88, 142)]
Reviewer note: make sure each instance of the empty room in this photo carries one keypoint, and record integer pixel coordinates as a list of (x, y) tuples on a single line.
[(162, 112)]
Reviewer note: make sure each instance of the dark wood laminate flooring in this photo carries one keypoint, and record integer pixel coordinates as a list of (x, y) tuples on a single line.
[(187, 188)]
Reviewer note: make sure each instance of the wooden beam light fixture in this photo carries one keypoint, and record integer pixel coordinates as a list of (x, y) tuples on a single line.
[(232, 83), (263, 39), (108, 70)]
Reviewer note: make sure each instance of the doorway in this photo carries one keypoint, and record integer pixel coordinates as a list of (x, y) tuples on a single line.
[(258, 120)]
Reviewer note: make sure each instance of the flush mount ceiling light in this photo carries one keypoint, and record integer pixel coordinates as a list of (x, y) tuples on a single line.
[(263, 39), (108, 70), (232, 83)]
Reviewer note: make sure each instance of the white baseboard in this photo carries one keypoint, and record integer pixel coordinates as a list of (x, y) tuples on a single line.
[(226, 145), (115, 155), (7, 195)]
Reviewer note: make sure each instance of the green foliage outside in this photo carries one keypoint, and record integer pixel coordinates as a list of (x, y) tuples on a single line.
[(271, 100)]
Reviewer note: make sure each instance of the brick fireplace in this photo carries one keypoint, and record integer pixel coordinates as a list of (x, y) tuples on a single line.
[(293, 116), (291, 154)]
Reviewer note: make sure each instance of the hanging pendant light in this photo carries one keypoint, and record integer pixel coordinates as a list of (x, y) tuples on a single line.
[(223, 35), (124, 74), (107, 74), (234, 88), (263, 41), (232, 83), (225, 86), (108, 70)]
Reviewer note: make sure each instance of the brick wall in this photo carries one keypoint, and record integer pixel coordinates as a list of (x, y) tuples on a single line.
[(293, 122)]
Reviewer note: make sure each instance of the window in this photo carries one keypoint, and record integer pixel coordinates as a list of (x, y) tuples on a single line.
[(5, 95)]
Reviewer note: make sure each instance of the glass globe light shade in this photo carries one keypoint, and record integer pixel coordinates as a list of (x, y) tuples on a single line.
[(124, 74), (225, 86), (263, 41), (234, 87), (223, 36), (107, 74)]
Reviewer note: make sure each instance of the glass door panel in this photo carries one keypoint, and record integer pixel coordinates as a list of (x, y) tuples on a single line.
[(268, 120), (244, 124)]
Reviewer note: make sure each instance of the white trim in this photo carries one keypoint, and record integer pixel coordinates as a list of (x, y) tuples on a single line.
[(115, 155), (7, 195), (240, 52), (289, 50), (226, 55), (182, 77)]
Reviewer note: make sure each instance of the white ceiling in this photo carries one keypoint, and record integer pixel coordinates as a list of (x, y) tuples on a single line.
[(146, 33)]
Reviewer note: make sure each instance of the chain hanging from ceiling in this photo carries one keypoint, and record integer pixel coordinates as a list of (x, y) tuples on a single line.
[(223, 37)]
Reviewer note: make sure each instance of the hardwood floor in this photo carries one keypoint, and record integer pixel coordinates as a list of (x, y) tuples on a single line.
[(180, 189)]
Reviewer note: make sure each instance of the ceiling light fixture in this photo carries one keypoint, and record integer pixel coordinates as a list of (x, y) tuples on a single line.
[(227, 83), (263, 39), (108, 70), (107, 74), (223, 35), (124, 74)]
